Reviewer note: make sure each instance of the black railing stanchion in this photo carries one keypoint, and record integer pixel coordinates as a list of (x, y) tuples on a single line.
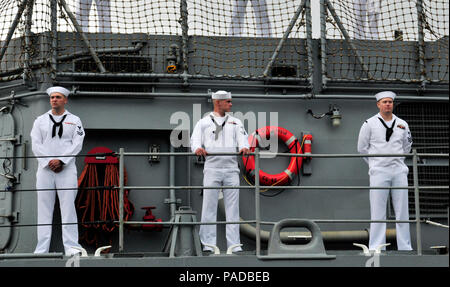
[(121, 193), (257, 205), (416, 203)]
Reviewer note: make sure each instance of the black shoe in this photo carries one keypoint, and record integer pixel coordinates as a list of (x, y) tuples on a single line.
[(207, 251)]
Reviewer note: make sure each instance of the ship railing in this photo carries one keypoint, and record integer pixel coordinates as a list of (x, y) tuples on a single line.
[(257, 187)]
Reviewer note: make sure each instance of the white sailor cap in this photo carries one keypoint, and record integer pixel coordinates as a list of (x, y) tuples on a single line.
[(58, 89), (221, 95), (385, 94)]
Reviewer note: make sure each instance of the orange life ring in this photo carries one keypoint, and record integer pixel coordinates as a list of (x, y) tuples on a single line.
[(294, 147)]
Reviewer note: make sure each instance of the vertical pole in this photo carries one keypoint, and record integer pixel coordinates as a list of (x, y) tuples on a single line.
[(27, 56), (54, 33), (420, 21), (172, 197), (185, 37), (188, 171), (323, 42), (121, 193), (309, 48), (416, 203), (257, 204)]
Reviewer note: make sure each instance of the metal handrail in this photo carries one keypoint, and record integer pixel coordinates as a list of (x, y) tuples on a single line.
[(277, 187), (257, 188)]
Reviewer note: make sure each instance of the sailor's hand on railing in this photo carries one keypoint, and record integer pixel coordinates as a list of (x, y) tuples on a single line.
[(201, 152), (244, 151)]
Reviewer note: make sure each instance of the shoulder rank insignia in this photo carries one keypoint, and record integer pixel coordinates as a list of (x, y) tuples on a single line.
[(79, 131)]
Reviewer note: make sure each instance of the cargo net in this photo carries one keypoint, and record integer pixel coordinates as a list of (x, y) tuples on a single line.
[(377, 40), (227, 38), (238, 38)]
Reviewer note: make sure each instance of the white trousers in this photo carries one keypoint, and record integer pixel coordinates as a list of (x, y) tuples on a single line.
[(378, 202), (262, 21), (47, 179), (103, 11), (208, 233), (367, 15)]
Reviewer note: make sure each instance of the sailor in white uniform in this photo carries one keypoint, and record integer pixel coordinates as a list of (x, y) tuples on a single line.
[(385, 133), (262, 21), (367, 16), (103, 11), (58, 133), (220, 132)]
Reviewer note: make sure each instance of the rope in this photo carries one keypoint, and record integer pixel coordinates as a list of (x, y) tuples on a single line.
[(436, 224), (96, 206)]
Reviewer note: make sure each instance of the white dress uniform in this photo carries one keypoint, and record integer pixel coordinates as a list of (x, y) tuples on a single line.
[(367, 15), (262, 21), (49, 141), (220, 171), (103, 12), (387, 172)]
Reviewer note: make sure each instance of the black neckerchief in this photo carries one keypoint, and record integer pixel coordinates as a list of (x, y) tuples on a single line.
[(219, 128), (55, 124), (389, 130)]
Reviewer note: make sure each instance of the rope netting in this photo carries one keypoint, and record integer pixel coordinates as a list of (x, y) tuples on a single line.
[(385, 35), (366, 39)]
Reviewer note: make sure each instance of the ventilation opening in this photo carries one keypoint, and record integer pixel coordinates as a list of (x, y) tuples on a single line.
[(115, 64), (428, 123), (284, 71)]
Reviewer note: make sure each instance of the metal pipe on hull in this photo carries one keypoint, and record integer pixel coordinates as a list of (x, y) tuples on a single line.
[(328, 236), (293, 237)]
